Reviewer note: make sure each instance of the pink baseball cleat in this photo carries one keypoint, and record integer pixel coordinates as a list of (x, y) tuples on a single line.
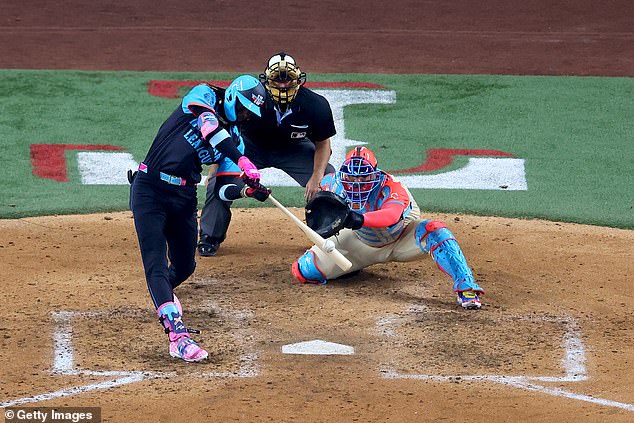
[(181, 345), (187, 349)]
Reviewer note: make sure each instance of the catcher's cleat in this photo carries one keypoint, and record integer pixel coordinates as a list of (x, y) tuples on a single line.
[(208, 249), (187, 349), (469, 300)]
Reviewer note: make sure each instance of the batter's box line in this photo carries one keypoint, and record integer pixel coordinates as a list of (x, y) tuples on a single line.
[(573, 362), (63, 365)]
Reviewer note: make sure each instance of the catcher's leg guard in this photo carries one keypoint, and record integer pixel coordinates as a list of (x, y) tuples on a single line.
[(447, 254), (181, 345), (306, 271)]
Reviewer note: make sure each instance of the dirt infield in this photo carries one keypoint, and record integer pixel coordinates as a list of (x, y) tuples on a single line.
[(558, 306), (551, 344)]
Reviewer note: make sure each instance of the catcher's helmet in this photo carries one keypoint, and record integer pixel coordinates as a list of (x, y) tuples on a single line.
[(245, 95), (359, 175), (282, 79)]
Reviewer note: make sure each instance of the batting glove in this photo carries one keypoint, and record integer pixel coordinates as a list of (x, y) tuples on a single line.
[(248, 168), (255, 190)]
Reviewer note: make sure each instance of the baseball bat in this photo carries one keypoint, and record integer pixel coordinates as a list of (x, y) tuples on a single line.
[(336, 256)]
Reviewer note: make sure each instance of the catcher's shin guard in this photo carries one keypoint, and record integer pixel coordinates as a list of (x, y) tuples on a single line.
[(447, 254), (305, 270)]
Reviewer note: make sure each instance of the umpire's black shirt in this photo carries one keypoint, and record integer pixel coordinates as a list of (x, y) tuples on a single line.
[(309, 117)]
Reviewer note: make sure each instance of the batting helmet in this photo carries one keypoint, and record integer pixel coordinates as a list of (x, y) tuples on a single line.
[(359, 176), (282, 79), (245, 95)]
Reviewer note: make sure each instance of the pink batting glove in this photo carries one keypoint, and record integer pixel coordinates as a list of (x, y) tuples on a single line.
[(249, 169)]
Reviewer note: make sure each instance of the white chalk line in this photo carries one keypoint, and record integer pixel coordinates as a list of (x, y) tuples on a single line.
[(76, 390), (573, 362), (63, 363)]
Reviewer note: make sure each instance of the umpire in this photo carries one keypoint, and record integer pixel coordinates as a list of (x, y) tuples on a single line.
[(293, 135)]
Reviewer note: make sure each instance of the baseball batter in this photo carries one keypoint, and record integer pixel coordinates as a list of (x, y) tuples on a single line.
[(163, 193), (293, 135), (382, 224)]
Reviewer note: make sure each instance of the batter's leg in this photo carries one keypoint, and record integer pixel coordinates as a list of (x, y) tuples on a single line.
[(149, 220), (214, 219), (181, 235)]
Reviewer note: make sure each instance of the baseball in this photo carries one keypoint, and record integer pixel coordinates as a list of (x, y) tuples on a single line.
[(329, 246)]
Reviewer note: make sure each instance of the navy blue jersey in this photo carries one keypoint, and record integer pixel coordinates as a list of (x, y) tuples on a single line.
[(179, 148), (309, 117)]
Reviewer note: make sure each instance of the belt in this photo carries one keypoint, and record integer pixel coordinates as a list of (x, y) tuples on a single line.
[(172, 180)]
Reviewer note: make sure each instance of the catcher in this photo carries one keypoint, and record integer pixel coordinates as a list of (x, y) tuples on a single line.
[(372, 218)]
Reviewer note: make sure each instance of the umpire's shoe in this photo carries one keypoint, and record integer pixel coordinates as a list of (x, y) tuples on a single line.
[(207, 247)]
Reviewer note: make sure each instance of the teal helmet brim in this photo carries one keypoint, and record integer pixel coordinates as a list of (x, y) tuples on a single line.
[(249, 105)]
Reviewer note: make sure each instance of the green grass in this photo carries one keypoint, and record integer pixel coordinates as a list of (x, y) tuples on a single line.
[(575, 133)]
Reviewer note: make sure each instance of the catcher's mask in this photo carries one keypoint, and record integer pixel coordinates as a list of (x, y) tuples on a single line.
[(359, 175), (243, 97), (282, 79)]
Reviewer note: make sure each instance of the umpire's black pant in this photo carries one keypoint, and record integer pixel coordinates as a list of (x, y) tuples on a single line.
[(296, 161)]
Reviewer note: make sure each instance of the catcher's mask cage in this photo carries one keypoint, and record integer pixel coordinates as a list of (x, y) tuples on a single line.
[(243, 97), (359, 176), (282, 79)]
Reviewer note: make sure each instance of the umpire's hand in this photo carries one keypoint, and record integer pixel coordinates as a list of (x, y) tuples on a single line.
[(312, 188)]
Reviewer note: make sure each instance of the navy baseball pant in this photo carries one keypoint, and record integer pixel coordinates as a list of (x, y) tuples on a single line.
[(166, 226)]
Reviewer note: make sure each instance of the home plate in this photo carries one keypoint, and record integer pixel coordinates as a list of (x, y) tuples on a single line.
[(317, 347)]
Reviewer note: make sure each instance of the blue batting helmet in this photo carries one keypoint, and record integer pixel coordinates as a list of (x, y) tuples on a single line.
[(245, 95)]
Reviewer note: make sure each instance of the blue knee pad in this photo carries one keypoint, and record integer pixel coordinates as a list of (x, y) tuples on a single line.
[(308, 270), (446, 252)]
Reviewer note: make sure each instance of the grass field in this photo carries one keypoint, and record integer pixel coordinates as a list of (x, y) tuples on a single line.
[(574, 133)]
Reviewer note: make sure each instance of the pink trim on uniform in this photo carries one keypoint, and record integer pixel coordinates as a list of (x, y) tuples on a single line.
[(205, 106), (143, 168), (317, 267)]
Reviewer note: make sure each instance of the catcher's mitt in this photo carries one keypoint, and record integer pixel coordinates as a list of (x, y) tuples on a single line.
[(326, 213)]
